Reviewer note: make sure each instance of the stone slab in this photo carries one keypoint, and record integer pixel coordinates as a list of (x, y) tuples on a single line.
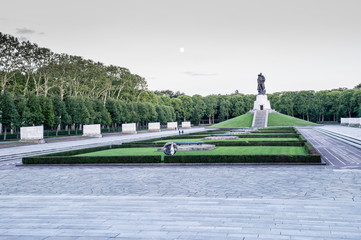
[(172, 125), (186, 124), (32, 134), (92, 130), (129, 128), (194, 147), (221, 138), (154, 127)]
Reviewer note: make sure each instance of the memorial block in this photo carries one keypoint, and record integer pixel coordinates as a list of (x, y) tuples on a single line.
[(344, 120), (92, 130), (186, 124), (262, 103), (154, 127), (351, 121), (32, 134), (172, 125), (129, 128)]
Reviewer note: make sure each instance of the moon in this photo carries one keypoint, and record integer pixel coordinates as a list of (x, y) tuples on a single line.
[(181, 50)]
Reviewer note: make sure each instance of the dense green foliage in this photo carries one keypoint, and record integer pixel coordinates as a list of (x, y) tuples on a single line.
[(61, 90)]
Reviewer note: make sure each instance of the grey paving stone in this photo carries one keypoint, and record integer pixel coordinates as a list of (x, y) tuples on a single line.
[(183, 202)]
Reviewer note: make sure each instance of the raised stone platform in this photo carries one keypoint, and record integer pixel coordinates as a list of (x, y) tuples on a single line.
[(193, 147), (130, 128), (92, 130), (34, 134), (186, 124), (172, 125), (221, 138), (154, 127), (203, 147), (262, 103)]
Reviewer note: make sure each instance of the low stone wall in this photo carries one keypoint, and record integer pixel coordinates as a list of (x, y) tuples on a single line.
[(172, 125), (186, 124), (154, 127), (32, 134), (92, 130), (129, 128)]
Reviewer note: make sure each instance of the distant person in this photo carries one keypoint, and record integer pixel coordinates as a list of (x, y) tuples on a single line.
[(182, 132), (170, 148)]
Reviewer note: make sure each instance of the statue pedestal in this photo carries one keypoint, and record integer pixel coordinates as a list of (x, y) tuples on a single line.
[(262, 103)]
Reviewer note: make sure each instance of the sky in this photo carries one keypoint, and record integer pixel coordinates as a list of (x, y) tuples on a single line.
[(203, 46)]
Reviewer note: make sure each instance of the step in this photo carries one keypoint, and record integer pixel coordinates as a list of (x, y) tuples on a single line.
[(343, 138)]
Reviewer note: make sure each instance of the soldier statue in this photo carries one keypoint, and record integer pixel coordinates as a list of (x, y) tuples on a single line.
[(261, 86)]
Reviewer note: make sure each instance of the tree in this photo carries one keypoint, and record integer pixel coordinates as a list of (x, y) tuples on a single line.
[(199, 109), (34, 106), (112, 106), (9, 59), (8, 112), (348, 102), (162, 118), (238, 105), (187, 103), (61, 116), (48, 112), (224, 109), (178, 108), (211, 103), (358, 86)]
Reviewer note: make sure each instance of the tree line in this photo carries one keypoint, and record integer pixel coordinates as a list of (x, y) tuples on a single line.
[(38, 87)]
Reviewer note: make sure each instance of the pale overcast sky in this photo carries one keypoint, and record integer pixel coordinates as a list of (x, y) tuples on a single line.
[(203, 46)]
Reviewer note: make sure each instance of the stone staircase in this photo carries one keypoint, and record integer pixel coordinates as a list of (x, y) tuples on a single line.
[(341, 137), (260, 119)]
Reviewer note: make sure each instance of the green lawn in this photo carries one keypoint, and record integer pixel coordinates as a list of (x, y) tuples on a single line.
[(244, 120), (239, 139), (250, 150), (279, 119)]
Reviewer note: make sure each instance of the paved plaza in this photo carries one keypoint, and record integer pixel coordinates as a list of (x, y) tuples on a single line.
[(186, 202)]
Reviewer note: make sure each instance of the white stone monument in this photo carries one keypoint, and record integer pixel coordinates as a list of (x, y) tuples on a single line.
[(129, 128), (172, 125), (154, 127), (351, 121), (344, 120), (32, 134), (262, 103), (92, 130), (186, 124)]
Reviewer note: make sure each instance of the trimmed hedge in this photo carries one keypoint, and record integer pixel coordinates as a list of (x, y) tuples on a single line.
[(80, 151), (311, 149), (242, 159), (256, 143), (69, 157), (90, 160), (288, 135)]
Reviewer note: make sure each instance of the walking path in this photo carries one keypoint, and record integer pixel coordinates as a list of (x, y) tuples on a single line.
[(185, 202), (336, 153)]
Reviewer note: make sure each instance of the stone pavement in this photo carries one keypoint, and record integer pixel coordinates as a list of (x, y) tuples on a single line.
[(181, 202), (335, 153)]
